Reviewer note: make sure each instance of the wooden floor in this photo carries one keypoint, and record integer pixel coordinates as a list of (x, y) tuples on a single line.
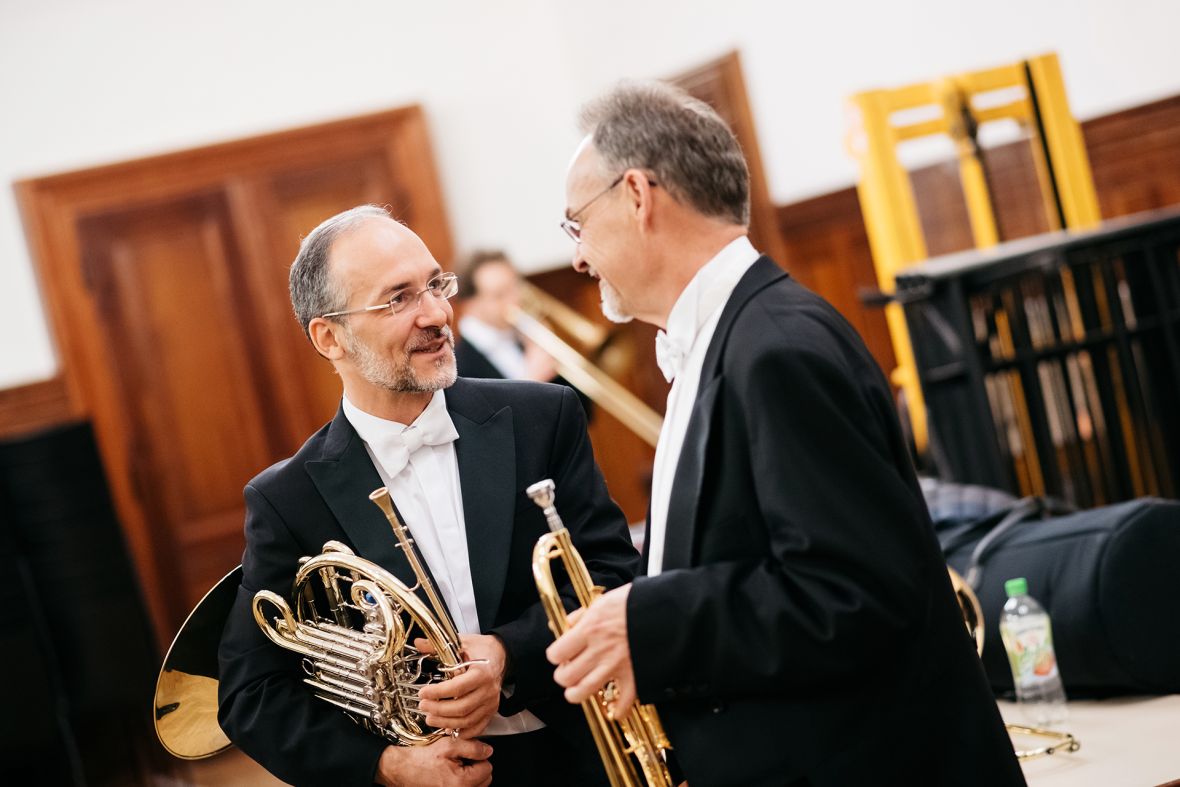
[(231, 767)]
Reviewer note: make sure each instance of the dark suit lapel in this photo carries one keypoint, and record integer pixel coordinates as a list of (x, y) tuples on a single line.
[(686, 483), (345, 477), (690, 466), (486, 453)]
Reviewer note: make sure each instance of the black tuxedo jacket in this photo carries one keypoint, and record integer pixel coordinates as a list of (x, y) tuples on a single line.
[(511, 434), (803, 630)]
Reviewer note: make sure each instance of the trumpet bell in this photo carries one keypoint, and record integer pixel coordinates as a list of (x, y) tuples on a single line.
[(969, 606)]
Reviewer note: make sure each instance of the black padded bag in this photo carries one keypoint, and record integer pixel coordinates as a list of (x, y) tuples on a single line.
[(1107, 577)]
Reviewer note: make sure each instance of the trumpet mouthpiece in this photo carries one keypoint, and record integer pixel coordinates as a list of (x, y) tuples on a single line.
[(543, 493)]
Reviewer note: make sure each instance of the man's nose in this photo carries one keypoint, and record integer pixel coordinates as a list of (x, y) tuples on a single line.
[(579, 262), (431, 311)]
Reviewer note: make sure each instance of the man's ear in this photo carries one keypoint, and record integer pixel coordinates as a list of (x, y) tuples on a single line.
[(327, 338), (640, 194)]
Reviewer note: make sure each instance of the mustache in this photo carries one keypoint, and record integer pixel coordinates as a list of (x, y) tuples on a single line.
[(428, 336)]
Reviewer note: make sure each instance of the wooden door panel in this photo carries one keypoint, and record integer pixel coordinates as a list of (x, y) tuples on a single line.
[(172, 304)]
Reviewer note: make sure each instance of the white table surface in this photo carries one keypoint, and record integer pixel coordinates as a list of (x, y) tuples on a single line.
[(1126, 742)]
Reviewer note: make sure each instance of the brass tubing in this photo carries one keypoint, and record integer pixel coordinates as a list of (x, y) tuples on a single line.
[(637, 734), (383, 501), (592, 381)]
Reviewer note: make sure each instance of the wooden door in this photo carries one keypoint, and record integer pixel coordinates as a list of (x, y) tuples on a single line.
[(166, 280)]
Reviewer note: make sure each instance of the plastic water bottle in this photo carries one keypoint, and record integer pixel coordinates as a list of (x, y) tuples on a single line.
[(1028, 638)]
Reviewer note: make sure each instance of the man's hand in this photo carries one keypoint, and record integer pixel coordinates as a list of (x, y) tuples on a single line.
[(466, 702), (447, 761), (595, 651)]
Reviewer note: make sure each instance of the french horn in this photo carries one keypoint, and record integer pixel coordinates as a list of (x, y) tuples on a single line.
[(354, 624)]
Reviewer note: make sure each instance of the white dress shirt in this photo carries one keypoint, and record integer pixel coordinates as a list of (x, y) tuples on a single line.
[(501, 347), (429, 498), (691, 324)]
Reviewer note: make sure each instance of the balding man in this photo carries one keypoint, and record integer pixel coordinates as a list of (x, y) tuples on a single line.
[(375, 303)]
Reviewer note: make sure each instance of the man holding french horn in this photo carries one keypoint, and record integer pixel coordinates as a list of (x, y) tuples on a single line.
[(796, 625), (455, 456)]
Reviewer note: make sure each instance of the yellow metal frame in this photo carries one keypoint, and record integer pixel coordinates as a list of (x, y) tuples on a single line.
[(887, 197)]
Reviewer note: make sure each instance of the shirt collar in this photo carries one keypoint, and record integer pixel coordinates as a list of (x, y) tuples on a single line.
[(708, 290), (372, 428)]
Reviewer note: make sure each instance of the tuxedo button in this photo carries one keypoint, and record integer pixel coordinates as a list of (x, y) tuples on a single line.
[(718, 706)]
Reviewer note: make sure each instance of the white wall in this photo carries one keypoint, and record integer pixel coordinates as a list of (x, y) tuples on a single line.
[(83, 83)]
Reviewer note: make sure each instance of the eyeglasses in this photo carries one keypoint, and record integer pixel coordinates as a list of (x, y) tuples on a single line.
[(442, 287), (571, 224)]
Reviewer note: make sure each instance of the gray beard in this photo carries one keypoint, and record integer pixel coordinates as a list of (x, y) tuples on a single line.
[(612, 306), (403, 377)]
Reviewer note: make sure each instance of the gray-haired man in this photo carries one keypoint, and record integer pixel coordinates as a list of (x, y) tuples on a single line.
[(796, 624)]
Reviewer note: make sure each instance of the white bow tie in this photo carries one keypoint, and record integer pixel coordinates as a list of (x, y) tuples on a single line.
[(433, 427), (670, 356)]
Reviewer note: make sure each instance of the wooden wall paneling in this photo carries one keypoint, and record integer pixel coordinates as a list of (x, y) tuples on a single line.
[(34, 406), (1135, 157), (1017, 200), (1011, 171)]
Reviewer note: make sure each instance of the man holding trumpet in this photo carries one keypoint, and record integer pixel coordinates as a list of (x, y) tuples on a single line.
[(796, 624)]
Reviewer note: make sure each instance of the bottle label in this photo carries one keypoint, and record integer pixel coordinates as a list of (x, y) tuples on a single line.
[(1030, 653)]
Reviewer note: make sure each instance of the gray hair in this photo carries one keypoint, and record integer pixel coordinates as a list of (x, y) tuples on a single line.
[(691, 152), (313, 290)]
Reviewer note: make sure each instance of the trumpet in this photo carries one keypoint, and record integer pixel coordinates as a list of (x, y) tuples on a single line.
[(632, 747)]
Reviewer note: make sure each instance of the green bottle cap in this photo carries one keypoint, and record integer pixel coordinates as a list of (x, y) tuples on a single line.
[(1016, 587)]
